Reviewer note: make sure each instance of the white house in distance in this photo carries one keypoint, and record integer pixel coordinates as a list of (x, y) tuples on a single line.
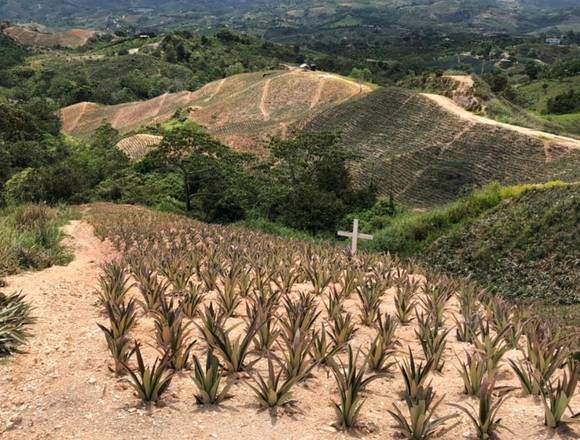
[(554, 41)]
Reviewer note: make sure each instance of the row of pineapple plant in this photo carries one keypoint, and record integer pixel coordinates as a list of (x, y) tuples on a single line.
[(256, 299)]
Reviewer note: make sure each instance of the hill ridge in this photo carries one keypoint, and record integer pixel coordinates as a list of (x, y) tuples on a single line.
[(452, 107), (242, 110), (425, 155)]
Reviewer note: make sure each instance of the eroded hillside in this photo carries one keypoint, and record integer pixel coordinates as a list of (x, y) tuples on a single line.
[(242, 110)]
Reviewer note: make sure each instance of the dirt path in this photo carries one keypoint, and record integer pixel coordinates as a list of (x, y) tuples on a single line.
[(161, 104), (51, 384), (216, 91), (264, 100), (317, 93), (452, 107), (464, 81), (80, 114)]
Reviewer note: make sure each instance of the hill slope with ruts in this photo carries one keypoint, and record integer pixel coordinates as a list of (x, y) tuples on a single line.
[(242, 110), (427, 154), (30, 37)]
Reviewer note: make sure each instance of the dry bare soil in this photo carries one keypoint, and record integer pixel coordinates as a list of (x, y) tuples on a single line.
[(242, 110), (62, 388), (70, 38)]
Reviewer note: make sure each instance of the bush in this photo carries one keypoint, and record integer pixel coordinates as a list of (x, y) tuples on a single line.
[(30, 238), (568, 102), (24, 186), (411, 232)]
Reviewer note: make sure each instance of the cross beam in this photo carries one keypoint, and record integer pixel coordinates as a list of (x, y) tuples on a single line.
[(355, 235)]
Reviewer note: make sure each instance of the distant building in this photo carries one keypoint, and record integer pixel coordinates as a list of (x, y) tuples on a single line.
[(554, 41), (306, 66)]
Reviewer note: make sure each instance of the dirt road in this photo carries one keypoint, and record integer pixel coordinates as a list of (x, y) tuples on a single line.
[(452, 107)]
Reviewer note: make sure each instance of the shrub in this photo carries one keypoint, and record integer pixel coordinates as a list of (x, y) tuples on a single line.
[(30, 238), (15, 320), (351, 383)]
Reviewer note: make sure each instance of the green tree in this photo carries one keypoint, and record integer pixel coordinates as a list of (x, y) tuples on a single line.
[(25, 186), (363, 74), (235, 69), (313, 170), (211, 172), (532, 70)]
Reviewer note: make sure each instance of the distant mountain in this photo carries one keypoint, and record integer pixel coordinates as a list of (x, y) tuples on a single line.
[(263, 15)]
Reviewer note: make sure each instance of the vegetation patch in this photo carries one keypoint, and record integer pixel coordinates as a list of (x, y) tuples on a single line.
[(15, 319), (526, 248), (30, 238)]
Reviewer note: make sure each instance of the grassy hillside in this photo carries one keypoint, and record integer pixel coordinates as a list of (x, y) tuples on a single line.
[(67, 78), (241, 110), (11, 53), (535, 96), (427, 156), (527, 248), (113, 70)]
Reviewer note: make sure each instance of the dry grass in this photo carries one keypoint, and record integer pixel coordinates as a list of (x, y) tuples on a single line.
[(243, 110)]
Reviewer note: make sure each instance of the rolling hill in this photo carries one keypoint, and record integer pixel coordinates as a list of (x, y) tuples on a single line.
[(426, 154), (308, 15), (31, 37), (242, 110)]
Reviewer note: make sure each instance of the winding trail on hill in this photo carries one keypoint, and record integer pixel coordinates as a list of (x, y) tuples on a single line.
[(317, 93), (450, 106), (161, 104), (81, 113), (65, 348), (216, 91), (264, 99)]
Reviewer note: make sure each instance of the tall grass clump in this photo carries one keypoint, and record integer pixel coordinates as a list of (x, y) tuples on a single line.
[(30, 238)]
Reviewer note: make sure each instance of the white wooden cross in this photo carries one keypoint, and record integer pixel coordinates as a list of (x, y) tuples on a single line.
[(354, 235)]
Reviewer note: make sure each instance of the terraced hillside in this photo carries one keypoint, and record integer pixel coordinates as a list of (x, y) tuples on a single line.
[(30, 37), (137, 146), (242, 110), (426, 155)]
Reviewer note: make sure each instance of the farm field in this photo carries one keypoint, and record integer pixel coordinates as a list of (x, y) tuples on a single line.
[(137, 146), (66, 382), (242, 111), (426, 155), (187, 286), (71, 38)]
